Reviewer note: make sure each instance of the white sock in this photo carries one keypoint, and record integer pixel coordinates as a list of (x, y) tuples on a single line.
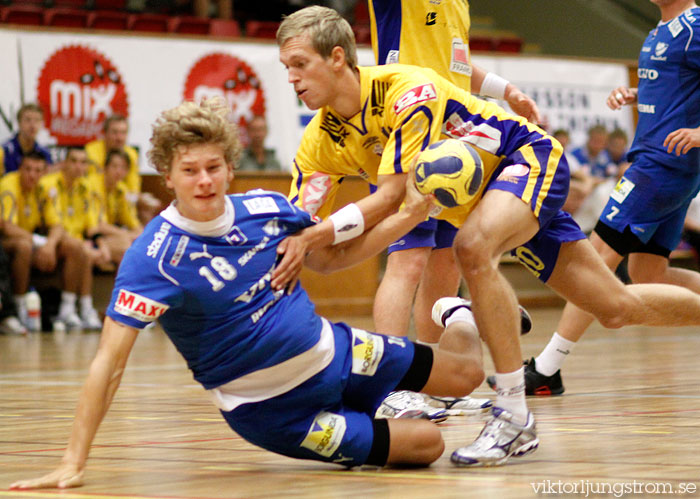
[(462, 314), (553, 355), (67, 306), (85, 303), (21, 306), (511, 394)]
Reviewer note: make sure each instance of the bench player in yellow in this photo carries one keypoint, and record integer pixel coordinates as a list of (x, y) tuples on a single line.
[(66, 204), (115, 223)]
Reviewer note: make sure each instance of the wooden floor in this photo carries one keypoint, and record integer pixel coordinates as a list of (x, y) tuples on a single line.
[(629, 421)]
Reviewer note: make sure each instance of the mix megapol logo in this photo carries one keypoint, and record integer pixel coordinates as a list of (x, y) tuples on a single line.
[(228, 77), (78, 88)]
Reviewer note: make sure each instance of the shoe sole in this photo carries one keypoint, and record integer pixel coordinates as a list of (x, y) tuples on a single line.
[(542, 391), (523, 450)]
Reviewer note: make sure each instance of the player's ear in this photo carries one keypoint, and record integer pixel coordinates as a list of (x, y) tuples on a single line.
[(168, 182), (338, 59), (230, 175)]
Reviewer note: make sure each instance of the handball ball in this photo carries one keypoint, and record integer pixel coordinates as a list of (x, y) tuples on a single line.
[(451, 170)]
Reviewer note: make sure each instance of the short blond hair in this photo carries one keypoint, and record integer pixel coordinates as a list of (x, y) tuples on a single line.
[(326, 28), (193, 124)]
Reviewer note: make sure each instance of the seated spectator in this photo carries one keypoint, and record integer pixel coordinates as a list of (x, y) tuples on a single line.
[(603, 173), (592, 156), (617, 153), (30, 119), (115, 224), (9, 322), (581, 183), (256, 157), (115, 130), (66, 200)]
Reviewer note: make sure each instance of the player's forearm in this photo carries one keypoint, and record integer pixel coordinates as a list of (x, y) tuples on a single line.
[(97, 393), (54, 236), (372, 242), (12, 230)]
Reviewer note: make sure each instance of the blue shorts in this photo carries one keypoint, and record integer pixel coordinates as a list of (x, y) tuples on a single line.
[(329, 416), (533, 175), (542, 182), (539, 254), (651, 201), (432, 233)]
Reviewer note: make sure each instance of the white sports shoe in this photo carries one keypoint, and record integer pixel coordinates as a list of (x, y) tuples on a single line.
[(90, 319), (71, 321), (445, 307), (12, 325), (411, 405), (500, 439), (459, 406)]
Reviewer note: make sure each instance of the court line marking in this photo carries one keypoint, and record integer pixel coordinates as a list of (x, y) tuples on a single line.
[(66, 494)]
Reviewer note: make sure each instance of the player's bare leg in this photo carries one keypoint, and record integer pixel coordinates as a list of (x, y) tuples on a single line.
[(440, 278), (394, 299), (479, 244)]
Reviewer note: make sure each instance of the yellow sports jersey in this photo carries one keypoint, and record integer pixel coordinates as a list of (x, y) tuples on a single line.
[(423, 33), (71, 208), (403, 110), (112, 207), (97, 153), (19, 208)]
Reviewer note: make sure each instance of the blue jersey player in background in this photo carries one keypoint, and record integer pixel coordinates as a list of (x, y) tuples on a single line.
[(644, 215), (283, 377)]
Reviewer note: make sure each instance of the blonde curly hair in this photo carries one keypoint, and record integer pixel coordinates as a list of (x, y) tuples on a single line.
[(193, 124)]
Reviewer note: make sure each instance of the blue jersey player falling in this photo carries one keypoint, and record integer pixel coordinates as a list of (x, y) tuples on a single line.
[(283, 377)]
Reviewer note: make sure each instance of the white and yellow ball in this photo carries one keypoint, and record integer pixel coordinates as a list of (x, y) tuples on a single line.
[(451, 170)]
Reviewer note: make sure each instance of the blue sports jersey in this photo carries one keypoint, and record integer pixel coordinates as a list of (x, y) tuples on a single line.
[(13, 154), (669, 89), (212, 294)]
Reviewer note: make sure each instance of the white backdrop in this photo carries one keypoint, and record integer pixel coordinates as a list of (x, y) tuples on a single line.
[(81, 78)]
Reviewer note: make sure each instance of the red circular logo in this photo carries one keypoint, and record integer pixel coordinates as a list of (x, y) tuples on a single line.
[(226, 76), (78, 88)]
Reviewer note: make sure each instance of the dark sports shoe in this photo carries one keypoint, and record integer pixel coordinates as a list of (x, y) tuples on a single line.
[(535, 383), (445, 307)]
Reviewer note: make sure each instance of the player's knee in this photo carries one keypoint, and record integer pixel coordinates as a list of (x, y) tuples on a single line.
[(619, 310), (407, 269), (23, 245), (471, 376), (472, 254), (415, 442)]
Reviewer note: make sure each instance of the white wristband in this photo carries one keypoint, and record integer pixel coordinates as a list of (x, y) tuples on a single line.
[(348, 223), (494, 86)]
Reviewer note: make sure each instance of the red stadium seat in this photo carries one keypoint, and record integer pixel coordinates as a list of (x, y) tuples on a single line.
[(107, 19), (480, 43), (190, 25), (73, 4), (157, 23), (109, 4), (66, 18), (23, 14), (361, 13), (224, 27), (508, 44), (363, 34), (261, 29)]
